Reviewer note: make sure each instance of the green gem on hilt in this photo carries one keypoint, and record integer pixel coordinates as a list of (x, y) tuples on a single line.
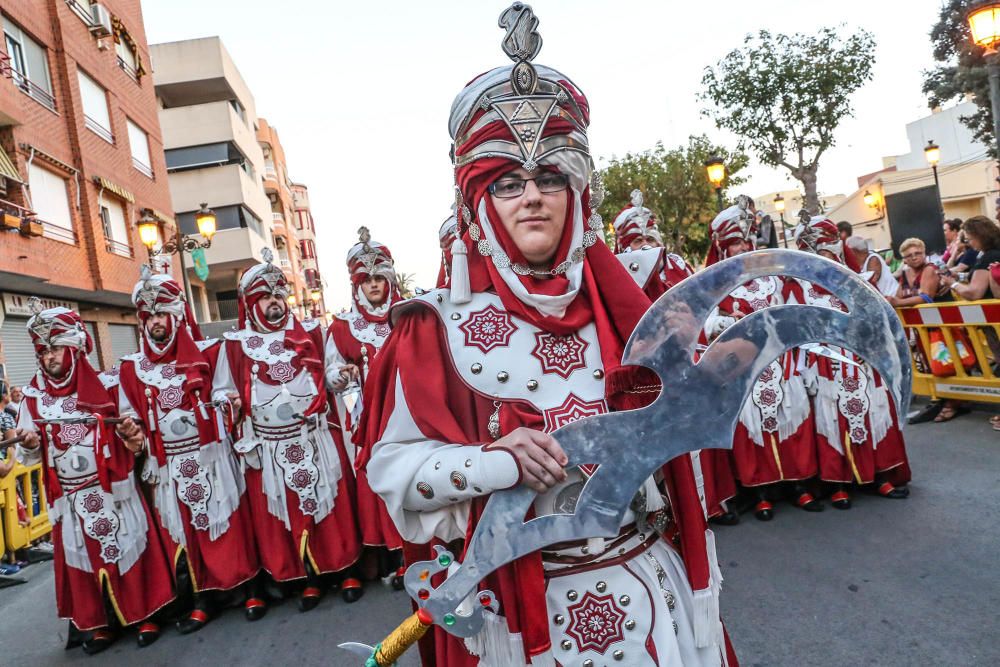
[(444, 560), (449, 619)]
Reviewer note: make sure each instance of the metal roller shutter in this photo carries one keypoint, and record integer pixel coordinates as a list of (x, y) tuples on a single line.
[(19, 353), (123, 341)]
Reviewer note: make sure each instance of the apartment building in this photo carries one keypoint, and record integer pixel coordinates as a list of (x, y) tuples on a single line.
[(210, 126), (81, 161), (306, 230)]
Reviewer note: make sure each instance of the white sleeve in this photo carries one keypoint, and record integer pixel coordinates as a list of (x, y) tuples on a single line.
[(25, 422), (125, 407), (334, 361), (222, 382), (426, 484)]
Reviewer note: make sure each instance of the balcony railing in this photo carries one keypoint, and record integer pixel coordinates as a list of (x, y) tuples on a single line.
[(285, 263), (228, 308), (128, 68), (118, 248), (277, 217), (33, 90), (55, 232), (80, 10), (142, 167), (269, 172), (98, 129)]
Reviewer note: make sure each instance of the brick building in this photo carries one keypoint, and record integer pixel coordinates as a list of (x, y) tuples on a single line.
[(306, 232), (82, 159)]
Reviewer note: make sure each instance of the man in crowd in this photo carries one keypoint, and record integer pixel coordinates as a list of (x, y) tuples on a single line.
[(14, 404), (197, 484), (300, 484), (354, 338), (111, 569)]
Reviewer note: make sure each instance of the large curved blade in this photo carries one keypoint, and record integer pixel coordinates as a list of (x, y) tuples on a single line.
[(697, 408)]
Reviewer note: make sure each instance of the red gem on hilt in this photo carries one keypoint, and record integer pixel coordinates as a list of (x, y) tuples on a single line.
[(485, 600), (423, 594)]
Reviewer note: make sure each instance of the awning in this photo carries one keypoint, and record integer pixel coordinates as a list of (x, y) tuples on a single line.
[(115, 188), (7, 168), (162, 217)]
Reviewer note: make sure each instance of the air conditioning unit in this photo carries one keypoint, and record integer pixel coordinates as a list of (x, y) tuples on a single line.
[(101, 25)]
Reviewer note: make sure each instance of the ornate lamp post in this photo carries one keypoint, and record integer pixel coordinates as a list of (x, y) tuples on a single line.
[(933, 154), (984, 25), (716, 170), (779, 206), (149, 234)]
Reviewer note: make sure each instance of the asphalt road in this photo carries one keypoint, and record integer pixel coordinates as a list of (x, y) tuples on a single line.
[(911, 582)]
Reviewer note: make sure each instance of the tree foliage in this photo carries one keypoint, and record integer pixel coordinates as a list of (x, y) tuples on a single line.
[(784, 95), (962, 70), (675, 187)]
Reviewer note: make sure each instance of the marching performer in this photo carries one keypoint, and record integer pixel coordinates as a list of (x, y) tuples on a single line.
[(299, 480), (639, 247), (354, 338), (527, 339), (774, 439), (110, 567), (197, 484), (857, 429)]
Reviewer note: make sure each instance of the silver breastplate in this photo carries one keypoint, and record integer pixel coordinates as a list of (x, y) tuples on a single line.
[(180, 432), (278, 411), (76, 465)]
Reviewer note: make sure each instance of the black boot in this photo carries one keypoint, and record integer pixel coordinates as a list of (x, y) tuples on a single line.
[(805, 500), (149, 632), (193, 622), (98, 641), (74, 637)]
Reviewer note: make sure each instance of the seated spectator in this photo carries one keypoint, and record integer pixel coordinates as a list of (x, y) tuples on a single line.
[(919, 280), (984, 237), (15, 402), (7, 426), (872, 267)]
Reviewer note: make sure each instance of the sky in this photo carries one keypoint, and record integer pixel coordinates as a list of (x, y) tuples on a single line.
[(360, 92)]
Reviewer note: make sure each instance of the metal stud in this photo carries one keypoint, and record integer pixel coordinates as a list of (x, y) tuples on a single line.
[(618, 655), (425, 489), (476, 369), (440, 298), (601, 587), (675, 627), (625, 600), (566, 644), (633, 267), (437, 465), (630, 624), (458, 480), (588, 663), (456, 316), (532, 385), (503, 376), (571, 595), (585, 550), (468, 463), (558, 619), (598, 374)]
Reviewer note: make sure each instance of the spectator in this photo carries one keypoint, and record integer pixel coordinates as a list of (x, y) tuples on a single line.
[(7, 426), (984, 237), (845, 229), (15, 401), (919, 280), (872, 267)]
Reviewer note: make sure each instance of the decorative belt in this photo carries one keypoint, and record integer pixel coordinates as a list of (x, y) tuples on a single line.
[(74, 484), (627, 545), (181, 446), (279, 432)]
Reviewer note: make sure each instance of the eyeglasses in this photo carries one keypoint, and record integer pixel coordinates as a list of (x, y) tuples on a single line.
[(508, 188), (914, 255)]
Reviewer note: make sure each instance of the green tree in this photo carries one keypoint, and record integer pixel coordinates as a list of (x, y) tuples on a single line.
[(674, 186), (962, 70), (784, 95)]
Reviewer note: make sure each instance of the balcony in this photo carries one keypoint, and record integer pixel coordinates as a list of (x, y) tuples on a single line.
[(33, 90), (142, 167), (219, 185), (98, 129), (128, 68), (202, 124), (118, 248), (235, 249)]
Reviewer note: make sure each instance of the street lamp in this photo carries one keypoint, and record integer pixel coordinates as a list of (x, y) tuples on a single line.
[(871, 201), (716, 170), (181, 243), (933, 154), (779, 206), (984, 24)]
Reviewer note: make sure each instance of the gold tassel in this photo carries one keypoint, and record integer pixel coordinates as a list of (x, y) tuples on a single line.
[(850, 457)]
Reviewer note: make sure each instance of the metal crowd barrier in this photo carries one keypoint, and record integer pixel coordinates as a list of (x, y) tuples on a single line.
[(29, 480), (977, 322)]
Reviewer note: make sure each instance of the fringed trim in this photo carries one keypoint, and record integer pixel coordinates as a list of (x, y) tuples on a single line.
[(705, 617), (879, 413), (496, 646), (461, 289)]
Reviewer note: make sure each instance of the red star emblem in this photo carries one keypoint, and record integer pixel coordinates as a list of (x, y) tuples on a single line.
[(595, 623), (488, 328), (559, 354), (572, 409)]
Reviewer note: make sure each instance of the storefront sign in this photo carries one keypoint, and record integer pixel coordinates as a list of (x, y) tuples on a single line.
[(17, 304)]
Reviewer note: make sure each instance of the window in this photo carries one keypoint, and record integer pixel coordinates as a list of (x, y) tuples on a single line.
[(50, 200), (126, 58), (226, 217), (29, 65), (115, 228), (207, 155), (139, 144), (95, 107)]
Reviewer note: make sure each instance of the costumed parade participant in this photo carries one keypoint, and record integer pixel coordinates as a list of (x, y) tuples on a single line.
[(111, 569), (639, 247), (197, 483), (353, 341), (447, 236), (529, 338), (300, 483), (857, 429), (774, 438)]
